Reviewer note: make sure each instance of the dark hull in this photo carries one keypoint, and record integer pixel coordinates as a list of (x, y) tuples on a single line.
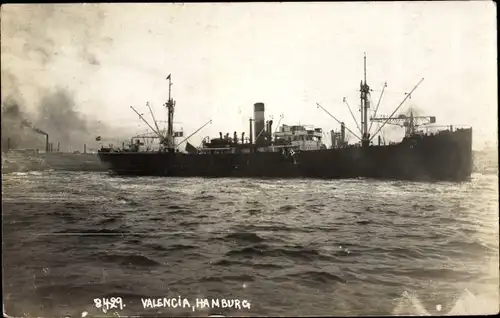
[(446, 156)]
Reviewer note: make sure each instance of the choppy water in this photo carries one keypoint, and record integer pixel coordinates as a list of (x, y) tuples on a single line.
[(303, 247)]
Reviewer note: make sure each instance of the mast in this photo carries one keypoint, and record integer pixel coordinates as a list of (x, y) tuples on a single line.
[(361, 108), (365, 104), (170, 104)]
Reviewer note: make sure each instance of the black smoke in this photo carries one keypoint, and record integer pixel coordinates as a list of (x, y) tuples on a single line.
[(57, 115), (34, 38), (14, 132)]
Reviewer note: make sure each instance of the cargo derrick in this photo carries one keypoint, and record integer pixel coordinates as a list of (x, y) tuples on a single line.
[(166, 139), (410, 123), (365, 130), (297, 151)]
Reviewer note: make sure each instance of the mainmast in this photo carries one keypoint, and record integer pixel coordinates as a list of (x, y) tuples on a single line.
[(170, 105), (365, 104), (366, 137)]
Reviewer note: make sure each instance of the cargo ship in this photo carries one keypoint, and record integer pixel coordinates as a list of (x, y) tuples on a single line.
[(298, 151)]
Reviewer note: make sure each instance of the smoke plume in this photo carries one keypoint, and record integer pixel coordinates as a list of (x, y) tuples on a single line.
[(14, 134), (57, 116), (36, 41)]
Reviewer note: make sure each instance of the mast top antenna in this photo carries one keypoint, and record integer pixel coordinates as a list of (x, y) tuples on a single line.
[(169, 78), (365, 65)]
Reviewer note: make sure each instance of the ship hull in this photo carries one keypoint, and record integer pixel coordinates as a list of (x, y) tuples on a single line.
[(446, 156)]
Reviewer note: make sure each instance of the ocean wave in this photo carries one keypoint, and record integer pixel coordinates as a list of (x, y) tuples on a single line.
[(78, 236)]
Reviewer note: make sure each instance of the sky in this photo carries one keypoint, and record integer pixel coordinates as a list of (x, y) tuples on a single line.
[(224, 57)]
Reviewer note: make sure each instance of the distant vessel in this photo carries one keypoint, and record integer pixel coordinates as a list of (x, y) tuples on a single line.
[(298, 151), (17, 159)]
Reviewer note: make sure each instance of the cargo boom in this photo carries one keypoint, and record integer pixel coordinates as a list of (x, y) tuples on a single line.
[(297, 152)]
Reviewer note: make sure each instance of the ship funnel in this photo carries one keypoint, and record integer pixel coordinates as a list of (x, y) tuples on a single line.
[(243, 137), (259, 117), (220, 135), (26, 123), (235, 137)]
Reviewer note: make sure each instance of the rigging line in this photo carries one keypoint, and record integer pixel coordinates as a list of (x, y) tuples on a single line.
[(354, 118), (338, 121), (208, 122), (144, 120), (378, 104), (407, 96), (154, 119), (260, 133), (278, 125)]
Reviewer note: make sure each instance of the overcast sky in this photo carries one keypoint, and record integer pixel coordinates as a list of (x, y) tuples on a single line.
[(224, 57)]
